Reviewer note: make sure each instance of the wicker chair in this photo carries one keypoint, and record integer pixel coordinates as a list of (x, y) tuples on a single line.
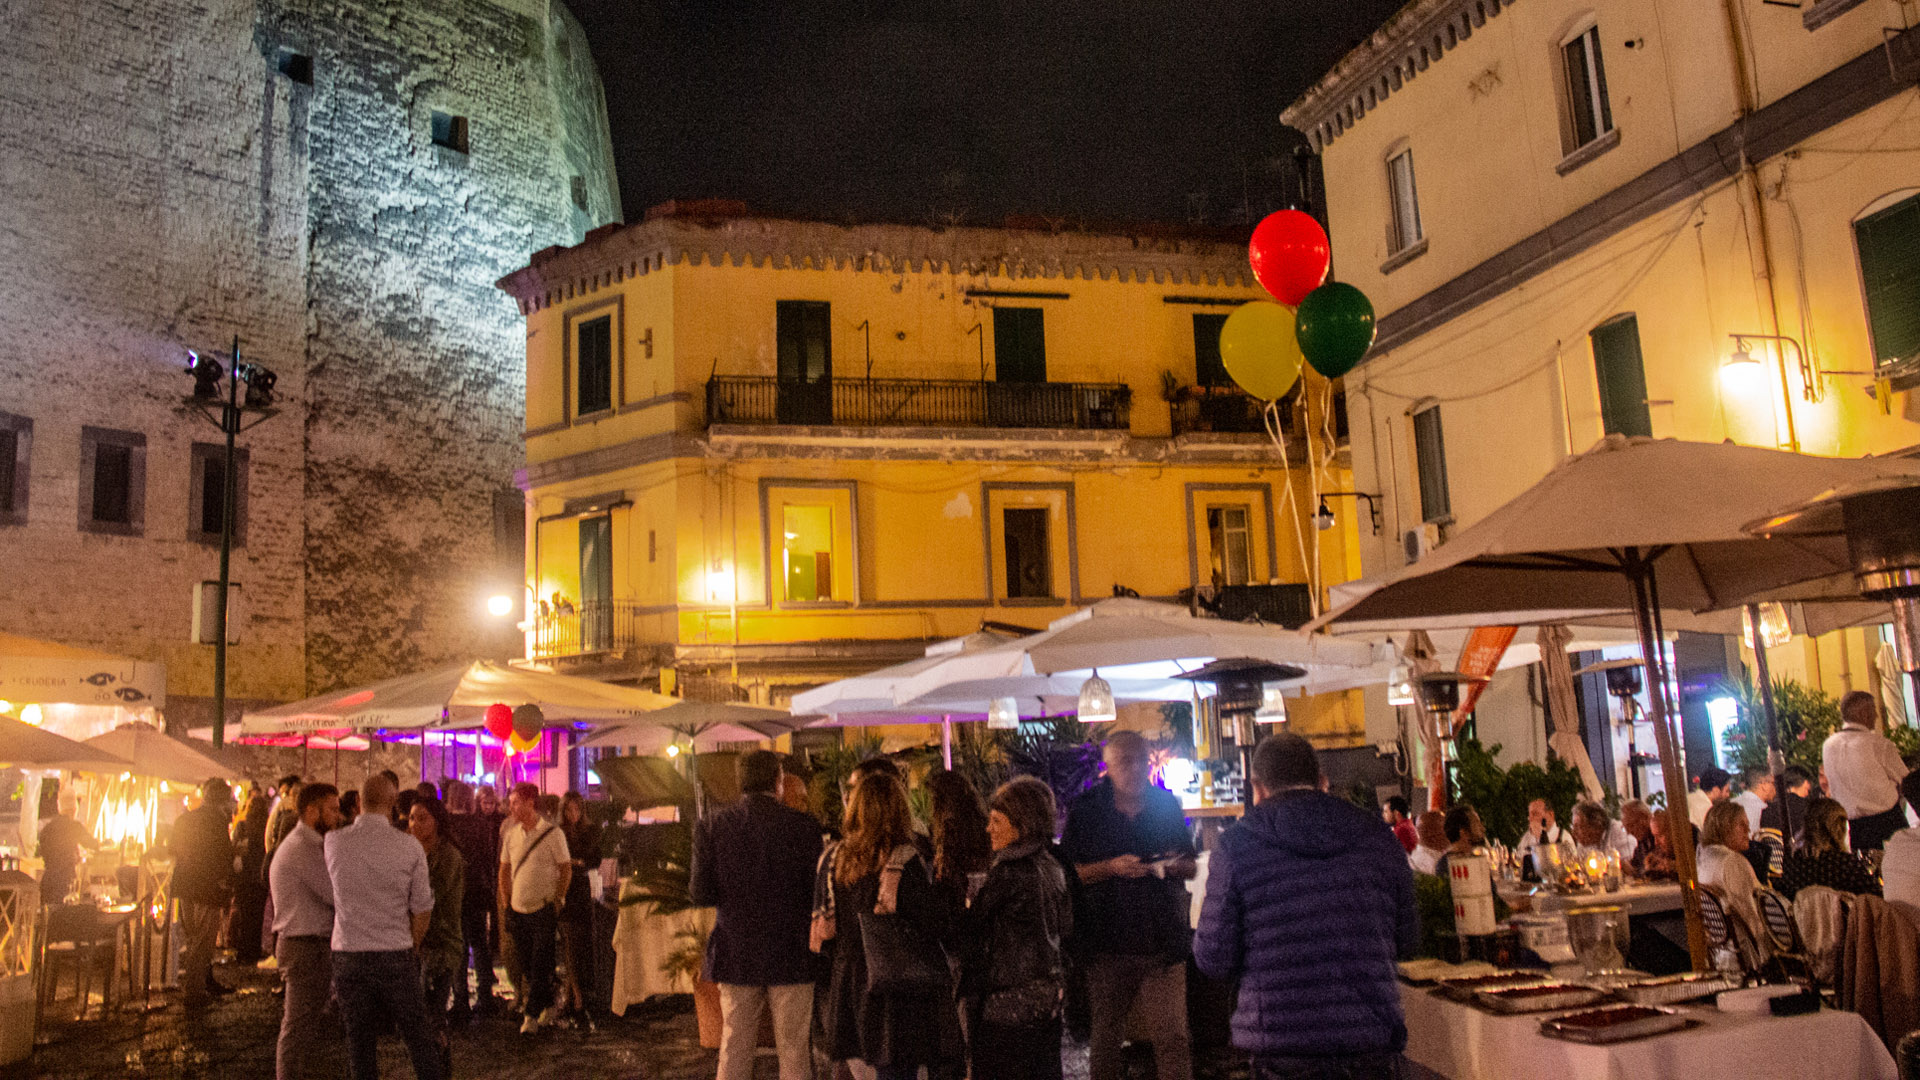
[(1726, 935), (1789, 950)]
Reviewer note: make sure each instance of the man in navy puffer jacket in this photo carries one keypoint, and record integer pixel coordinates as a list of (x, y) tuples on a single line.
[(1309, 903)]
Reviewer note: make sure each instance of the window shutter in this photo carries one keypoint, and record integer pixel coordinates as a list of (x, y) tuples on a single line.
[(1889, 244), (1430, 453), (1621, 372)]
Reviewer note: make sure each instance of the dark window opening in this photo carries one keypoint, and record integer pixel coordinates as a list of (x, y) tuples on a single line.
[(1430, 453), (509, 531), (579, 190), (804, 335), (112, 484), (1207, 367), (1028, 552), (207, 493), (1588, 112), (450, 131), (9, 449), (1621, 372), (593, 365), (1019, 345), (1889, 246), (213, 497), (296, 66)]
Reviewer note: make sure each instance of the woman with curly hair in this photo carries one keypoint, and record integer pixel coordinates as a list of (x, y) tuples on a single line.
[(961, 849)]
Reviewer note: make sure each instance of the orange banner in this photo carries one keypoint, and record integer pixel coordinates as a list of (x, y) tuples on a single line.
[(1480, 657)]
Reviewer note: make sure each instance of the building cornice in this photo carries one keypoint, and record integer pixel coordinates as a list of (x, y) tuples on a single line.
[(1407, 44), (615, 253)]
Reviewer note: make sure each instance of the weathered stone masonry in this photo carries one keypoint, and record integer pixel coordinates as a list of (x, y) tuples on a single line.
[(165, 184)]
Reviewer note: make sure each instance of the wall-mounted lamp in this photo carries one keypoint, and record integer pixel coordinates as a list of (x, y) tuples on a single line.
[(1400, 689), (1742, 373), (1323, 517), (1809, 378)]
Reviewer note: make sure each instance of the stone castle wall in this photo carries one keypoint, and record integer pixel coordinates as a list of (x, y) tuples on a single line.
[(167, 185)]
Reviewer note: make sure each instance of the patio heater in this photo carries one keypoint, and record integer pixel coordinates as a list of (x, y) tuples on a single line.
[(1624, 683), (1439, 694), (1241, 697)]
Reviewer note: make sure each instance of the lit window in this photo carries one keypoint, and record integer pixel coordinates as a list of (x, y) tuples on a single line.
[(806, 552), (1589, 116), (1406, 201), (1231, 554)]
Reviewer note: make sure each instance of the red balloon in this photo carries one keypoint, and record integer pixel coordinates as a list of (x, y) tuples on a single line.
[(499, 721), (1290, 255)]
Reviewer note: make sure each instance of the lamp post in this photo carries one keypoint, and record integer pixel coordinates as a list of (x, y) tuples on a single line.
[(231, 420)]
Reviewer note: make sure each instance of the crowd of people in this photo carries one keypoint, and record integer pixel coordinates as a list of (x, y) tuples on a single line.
[(965, 949), (376, 904)]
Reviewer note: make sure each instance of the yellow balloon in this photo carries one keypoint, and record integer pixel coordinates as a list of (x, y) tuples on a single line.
[(1259, 349), (520, 745)]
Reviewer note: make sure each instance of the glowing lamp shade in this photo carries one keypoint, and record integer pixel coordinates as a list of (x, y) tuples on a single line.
[(1742, 373), (1003, 714), (1400, 686), (1775, 629), (1096, 701), (500, 606), (1273, 707), (30, 714)]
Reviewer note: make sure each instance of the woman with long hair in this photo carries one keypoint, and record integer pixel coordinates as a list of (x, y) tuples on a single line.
[(883, 885), (576, 918), (1828, 860), (961, 849), (441, 951), (1014, 976)]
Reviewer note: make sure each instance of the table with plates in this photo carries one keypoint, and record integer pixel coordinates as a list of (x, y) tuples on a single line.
[(1460, 1042), (1646, 898)]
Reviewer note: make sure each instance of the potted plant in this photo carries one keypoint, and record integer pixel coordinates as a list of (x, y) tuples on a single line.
[(664, 879), (685, 962)]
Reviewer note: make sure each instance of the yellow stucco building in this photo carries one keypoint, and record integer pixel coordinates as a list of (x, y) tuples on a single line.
[(763, 454), (1681, 218)]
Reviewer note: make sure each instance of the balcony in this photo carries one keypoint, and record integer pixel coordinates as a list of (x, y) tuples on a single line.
[(755, 399), (1224, 409), (594, 627)]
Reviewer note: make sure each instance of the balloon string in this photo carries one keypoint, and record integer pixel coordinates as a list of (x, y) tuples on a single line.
[(1291, 505)]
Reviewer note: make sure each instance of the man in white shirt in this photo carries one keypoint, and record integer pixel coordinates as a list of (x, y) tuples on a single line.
[(1759, 792), (1593, 829), (1900, 866), (1863, 772), (303, 923), (535, 870), (1543, 827), (382, 903), (1716, 784), (1432, 826)]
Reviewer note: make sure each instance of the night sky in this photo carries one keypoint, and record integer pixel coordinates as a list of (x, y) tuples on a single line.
[(965, 110)]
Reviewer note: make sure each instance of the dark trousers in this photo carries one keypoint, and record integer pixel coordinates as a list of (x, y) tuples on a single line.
[(380, 988), (1117, 986), (306, 969), (478, 918), (1872, 832), (1030, 1052), (533, 941), (1381, 1066)]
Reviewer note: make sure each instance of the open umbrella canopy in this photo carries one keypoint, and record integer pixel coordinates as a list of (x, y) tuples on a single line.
[(455, 697), (161, 756), (707, 723), (643, 783), (874, 691), (1557, 552), (27, 747)]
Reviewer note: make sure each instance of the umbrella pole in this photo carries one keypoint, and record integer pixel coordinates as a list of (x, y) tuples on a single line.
[(946, 742), (1672, 771), (1776, 760)]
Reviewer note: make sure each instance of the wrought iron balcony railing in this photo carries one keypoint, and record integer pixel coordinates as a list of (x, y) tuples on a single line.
[(757, 399), (594, 626), (1226, 409)]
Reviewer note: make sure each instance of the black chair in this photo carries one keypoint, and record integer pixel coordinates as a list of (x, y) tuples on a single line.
[(1789, 950), (1724, 933)]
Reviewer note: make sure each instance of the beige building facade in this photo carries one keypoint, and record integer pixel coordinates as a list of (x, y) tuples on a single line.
[(1696, 219)]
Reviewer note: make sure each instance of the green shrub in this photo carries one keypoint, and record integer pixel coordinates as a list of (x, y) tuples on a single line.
[(1501, 795), (1807, 715)]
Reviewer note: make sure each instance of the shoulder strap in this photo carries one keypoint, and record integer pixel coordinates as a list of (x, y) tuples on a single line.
[(530, 849)]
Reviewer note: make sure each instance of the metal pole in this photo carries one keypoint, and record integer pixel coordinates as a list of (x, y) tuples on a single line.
[(1672, 771), (946, 742), (1776, 759), (230, 425)]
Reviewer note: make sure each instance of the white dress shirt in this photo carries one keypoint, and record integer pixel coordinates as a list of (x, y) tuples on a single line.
[(1863, 770), (302, 891), (1425, 859), (1532, 837), (380, 881), (1753, 805), (1900, 867)]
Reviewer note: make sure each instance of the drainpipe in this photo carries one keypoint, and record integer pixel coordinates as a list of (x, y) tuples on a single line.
[(1753, 205)]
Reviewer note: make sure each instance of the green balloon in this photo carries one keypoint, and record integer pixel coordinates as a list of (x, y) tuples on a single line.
[(1335, 328)]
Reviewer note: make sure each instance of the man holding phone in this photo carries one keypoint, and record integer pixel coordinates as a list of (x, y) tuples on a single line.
[(1128, 840)]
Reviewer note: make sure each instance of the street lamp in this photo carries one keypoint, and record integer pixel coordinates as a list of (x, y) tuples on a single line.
[(500, 606), (231, 418)]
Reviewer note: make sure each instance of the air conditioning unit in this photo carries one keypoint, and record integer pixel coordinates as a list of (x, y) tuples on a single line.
[(206, 611), (1418, 541)]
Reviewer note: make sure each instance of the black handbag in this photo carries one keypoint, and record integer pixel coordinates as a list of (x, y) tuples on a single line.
[(901, 958)]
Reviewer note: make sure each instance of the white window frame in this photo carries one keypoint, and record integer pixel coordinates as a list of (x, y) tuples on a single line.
[(1224, 552), (1587, 33), (1403, 199)]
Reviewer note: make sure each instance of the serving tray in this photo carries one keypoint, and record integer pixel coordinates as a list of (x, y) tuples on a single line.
[(1674, 988), (1538, 997), (1464, 987), (1616, 1024)]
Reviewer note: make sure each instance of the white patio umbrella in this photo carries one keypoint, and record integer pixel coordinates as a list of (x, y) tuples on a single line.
[(455, 697), (1633, 524), (161, 756), (874, 691), (706, 723), (27, 747)]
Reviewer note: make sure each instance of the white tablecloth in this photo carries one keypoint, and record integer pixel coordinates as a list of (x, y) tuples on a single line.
[(1462, 1043), (641, 940)]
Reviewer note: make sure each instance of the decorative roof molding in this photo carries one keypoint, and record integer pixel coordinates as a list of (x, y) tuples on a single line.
[(614, 253), (1416, 37)]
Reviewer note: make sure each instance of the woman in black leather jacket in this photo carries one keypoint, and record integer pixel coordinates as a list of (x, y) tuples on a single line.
[(1012, 973)]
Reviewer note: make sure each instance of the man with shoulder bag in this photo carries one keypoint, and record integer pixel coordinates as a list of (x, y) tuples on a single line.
[(535, 869)]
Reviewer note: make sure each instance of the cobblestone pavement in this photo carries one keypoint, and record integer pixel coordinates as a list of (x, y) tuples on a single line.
[(235, 1039)]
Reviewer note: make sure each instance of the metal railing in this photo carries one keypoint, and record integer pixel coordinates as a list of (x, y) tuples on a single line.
[(758, 399), (1227, 409), (594, 626)]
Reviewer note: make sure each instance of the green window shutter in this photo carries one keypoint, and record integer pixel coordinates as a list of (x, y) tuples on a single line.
[(1430, 455), (1889, 244), (1623, 377), (1207, 367)]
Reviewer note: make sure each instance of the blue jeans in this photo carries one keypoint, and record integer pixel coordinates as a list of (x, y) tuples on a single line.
[(377, 988), (1380, 1066)]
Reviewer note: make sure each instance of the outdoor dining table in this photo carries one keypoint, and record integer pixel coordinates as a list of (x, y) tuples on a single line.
[(1460, 1042), (1649, 898)]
